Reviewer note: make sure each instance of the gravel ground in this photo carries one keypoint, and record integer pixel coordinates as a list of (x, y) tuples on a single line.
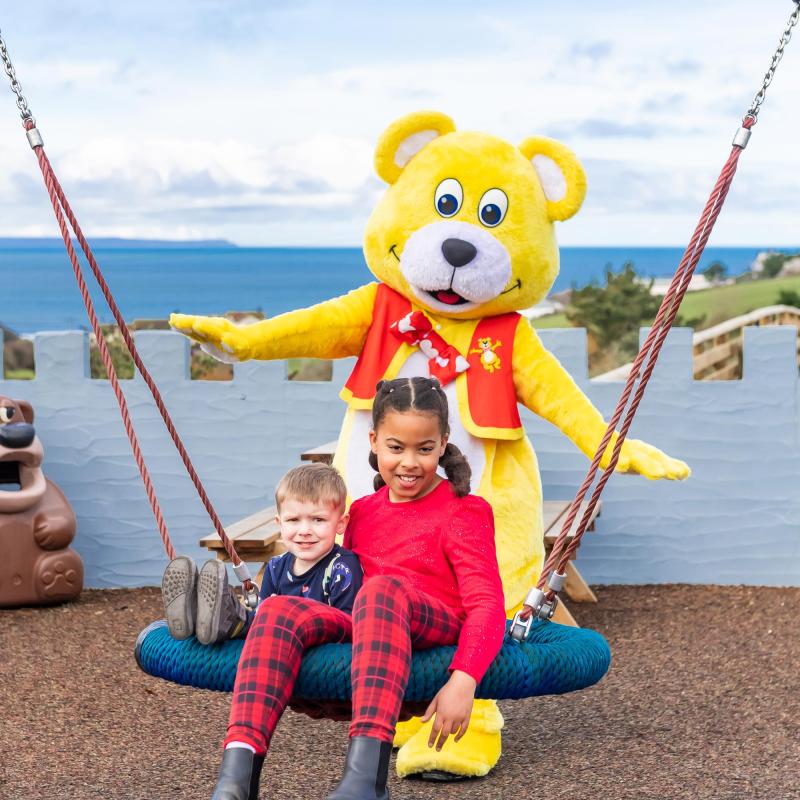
[(702, 701)]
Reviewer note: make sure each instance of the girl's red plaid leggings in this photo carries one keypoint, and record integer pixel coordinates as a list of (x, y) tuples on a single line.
[(389, 619)]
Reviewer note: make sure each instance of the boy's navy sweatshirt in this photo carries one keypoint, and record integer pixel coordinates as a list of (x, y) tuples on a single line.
[(334, 580)]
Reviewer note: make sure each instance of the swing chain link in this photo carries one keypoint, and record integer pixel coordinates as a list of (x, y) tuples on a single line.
[(755, 106), (22, 103), (249, 589), (542, 606), (251, 597)]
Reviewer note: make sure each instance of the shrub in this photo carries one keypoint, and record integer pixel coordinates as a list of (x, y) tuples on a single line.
[(773, 264), (715, 272), (613, 314), (789, 297)]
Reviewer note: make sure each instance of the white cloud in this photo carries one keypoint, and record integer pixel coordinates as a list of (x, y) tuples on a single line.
[(272, 111)]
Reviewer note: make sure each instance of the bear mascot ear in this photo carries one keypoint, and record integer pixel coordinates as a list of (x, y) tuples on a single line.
[(561, 174), (405, 137)]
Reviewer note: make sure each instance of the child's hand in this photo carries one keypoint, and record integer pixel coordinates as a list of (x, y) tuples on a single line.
[(453, 707)]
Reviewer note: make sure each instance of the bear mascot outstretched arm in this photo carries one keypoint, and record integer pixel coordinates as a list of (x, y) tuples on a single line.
[(334, 329), (460, 242)]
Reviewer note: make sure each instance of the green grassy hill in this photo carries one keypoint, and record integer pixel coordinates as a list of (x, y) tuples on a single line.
[(725, 302), (714, 305), (552, 321)]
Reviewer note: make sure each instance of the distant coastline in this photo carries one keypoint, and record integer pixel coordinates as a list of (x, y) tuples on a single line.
[(114, 243)]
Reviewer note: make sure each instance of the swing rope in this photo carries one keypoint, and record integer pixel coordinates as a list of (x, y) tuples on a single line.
[(648, 356), (541, 603), (50, 184), (61, 208)]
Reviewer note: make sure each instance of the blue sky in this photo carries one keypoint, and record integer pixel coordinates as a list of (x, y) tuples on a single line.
[(256, 122)]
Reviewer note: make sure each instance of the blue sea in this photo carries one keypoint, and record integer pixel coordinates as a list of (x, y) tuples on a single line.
[(38, 289)]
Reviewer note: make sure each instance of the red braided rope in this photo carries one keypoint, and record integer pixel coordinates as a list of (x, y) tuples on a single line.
[(561, 552), (105, 355), (129, 342), (59, 201)]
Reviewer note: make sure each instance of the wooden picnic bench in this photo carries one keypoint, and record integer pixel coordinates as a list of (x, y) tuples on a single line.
[(257, 538)]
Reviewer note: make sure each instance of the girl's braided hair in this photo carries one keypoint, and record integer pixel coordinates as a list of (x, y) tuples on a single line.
[(425, 396)]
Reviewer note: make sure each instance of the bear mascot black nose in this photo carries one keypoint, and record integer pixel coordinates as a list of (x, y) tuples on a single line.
[(458, 252)]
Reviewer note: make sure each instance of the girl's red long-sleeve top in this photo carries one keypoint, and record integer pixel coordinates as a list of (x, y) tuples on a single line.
[(443, 545)]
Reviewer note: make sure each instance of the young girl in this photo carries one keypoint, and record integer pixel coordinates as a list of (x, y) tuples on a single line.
[(430, 578)]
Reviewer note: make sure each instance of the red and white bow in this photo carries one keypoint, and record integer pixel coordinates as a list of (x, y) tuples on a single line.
[(444, 361)]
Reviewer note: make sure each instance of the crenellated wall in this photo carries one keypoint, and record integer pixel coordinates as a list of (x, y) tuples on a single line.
[(736, 520)]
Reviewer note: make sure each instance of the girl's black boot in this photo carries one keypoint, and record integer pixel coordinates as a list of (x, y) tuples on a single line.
[(366, 770), (238, 775)]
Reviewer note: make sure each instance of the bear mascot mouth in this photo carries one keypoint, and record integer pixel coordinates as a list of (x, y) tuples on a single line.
[(451, 265), (448, 296)]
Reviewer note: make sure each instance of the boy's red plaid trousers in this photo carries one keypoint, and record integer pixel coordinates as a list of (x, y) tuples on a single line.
[(389, 619)]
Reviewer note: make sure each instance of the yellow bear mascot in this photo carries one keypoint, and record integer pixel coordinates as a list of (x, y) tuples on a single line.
[(462, 239)]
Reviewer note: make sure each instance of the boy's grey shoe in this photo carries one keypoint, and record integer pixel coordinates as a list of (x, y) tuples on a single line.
[(220, 615), (178, 591)]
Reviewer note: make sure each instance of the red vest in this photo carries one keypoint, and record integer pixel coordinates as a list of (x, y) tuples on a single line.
[(486, 393)]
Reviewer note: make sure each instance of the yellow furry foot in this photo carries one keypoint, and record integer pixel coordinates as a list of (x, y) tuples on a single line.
[(474, 755), (405, 730)]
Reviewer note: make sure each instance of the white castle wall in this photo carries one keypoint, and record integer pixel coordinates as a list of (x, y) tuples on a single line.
[(736, 520)]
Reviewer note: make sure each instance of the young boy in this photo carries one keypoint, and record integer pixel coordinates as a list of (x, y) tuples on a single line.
[(311, 503)]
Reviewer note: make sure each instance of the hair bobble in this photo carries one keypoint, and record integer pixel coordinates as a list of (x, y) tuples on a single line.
[(420, 394)]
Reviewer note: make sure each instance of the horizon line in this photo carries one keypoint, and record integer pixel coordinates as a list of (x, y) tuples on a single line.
[(228, 244)]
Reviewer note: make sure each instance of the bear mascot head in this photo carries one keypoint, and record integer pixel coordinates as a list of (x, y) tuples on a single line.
[(466, 227)]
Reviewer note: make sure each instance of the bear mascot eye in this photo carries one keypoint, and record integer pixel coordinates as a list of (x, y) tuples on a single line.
[(6, 414), (449, 197), (492, 208)]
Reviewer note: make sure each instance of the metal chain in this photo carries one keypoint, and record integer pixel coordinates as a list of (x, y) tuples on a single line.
[(755, 106), (22, 103)]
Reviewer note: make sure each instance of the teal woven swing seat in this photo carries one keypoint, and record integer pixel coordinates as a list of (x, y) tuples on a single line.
[(553, 660)]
